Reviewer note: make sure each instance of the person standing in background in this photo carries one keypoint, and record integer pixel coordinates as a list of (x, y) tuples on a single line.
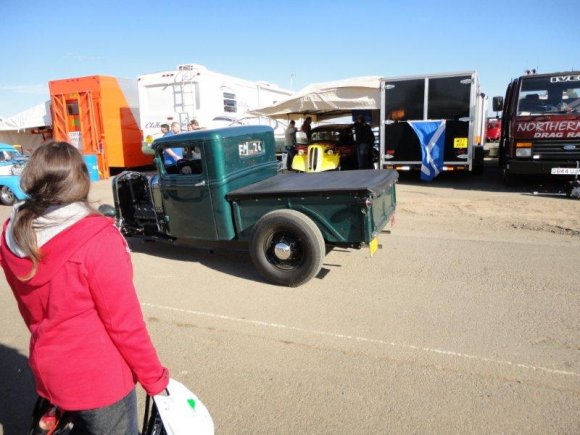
[(175, 127), (165, 130), (307, 127), (364, 139), (171, 155), (290, 134), (193, 125), (290, 139)]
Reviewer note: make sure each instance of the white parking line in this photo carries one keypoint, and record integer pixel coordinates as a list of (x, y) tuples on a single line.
[(367, 340)]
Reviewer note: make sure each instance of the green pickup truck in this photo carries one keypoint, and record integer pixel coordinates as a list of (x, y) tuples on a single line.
[(220, 188)]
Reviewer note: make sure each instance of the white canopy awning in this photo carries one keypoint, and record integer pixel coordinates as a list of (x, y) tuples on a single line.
[(328, 99), (37, 116)]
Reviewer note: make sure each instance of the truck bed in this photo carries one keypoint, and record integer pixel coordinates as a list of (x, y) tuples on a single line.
[(360, 182), (349, 207)]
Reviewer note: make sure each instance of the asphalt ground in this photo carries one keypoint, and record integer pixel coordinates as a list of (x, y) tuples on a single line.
[(466, 321)]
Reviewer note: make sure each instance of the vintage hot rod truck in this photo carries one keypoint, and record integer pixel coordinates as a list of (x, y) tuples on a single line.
[(224, 190)]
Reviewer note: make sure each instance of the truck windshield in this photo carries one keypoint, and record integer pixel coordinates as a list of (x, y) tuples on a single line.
[(549, 95)]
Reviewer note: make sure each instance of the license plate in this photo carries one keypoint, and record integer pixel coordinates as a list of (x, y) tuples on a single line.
[(374, 245), (565, 171), (460, 142)]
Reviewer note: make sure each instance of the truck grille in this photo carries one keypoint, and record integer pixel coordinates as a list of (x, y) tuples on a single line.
[(557, 151), (315, 156)]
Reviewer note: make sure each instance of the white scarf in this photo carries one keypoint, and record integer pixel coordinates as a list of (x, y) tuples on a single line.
[(53, 222)]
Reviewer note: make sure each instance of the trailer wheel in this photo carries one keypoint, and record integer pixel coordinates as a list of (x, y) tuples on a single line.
[(287, 248), (7, 197)]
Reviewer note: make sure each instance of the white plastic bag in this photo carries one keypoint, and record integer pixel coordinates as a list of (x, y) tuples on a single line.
[(182, 412)]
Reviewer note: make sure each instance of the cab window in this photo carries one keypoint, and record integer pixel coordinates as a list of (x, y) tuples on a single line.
[(181, 159)]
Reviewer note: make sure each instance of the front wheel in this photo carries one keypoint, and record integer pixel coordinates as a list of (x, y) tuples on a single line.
[(507, 177), (287, 248), (478, 161), (7, 197)]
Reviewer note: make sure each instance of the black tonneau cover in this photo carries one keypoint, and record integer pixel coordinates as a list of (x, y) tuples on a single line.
[(362, 182)]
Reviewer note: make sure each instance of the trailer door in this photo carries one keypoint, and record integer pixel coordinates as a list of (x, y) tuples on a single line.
[(404, 100), (446, 98), (450, 99)]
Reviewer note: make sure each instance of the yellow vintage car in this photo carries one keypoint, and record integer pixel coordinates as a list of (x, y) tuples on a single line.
[(331, 147)]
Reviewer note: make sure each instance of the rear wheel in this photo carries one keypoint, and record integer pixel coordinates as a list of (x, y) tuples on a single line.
[(7, 197), (287, 248)]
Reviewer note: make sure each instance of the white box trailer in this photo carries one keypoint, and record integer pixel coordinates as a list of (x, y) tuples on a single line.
[(194, 92), (454, 98)]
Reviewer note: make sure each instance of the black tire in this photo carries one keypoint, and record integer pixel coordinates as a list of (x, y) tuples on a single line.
[(7, 197), (294, 231), (507, 177), (478, 161)]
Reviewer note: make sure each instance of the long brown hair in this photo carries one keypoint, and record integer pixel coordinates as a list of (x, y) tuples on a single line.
[(55, 175)]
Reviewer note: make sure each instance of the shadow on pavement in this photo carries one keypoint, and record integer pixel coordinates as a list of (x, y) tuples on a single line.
[(17, 395), (229, 261), (491, 181)]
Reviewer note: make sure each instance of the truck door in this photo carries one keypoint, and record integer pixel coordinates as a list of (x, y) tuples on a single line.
[(185, 192)]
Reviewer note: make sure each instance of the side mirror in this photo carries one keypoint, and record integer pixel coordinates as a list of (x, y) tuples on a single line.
[(497, 104), (107, 210)]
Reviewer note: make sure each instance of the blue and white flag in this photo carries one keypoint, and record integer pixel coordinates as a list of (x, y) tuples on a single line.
[(431, 136)]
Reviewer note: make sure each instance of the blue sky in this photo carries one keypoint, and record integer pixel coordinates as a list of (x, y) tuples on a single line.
[(270, 40)]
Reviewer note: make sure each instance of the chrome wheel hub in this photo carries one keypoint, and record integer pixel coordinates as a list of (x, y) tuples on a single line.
[(282, 251)]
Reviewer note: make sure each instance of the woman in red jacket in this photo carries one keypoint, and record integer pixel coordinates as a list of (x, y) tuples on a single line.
[(71, 274)]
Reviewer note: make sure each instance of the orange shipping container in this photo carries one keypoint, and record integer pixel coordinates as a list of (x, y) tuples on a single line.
[(98, 114)]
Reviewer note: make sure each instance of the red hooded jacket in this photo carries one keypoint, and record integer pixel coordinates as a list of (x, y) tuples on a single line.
[(89, 344)]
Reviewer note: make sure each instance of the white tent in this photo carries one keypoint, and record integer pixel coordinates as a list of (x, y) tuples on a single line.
[(328, 99), (17, 130), (37, 116)]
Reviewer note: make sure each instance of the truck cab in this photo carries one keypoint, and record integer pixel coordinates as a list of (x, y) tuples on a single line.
[(540, 132), (187, 198)]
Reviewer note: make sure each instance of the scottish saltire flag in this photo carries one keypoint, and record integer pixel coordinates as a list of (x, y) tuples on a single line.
[(431, 136)]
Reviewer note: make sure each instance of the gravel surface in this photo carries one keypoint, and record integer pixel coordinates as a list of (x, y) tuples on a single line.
[(466, 321)]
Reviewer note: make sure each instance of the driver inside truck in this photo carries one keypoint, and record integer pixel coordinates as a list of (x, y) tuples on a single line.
[(529, 103)]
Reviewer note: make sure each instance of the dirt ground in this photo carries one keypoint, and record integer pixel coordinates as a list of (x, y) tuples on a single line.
[(466, 321)]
